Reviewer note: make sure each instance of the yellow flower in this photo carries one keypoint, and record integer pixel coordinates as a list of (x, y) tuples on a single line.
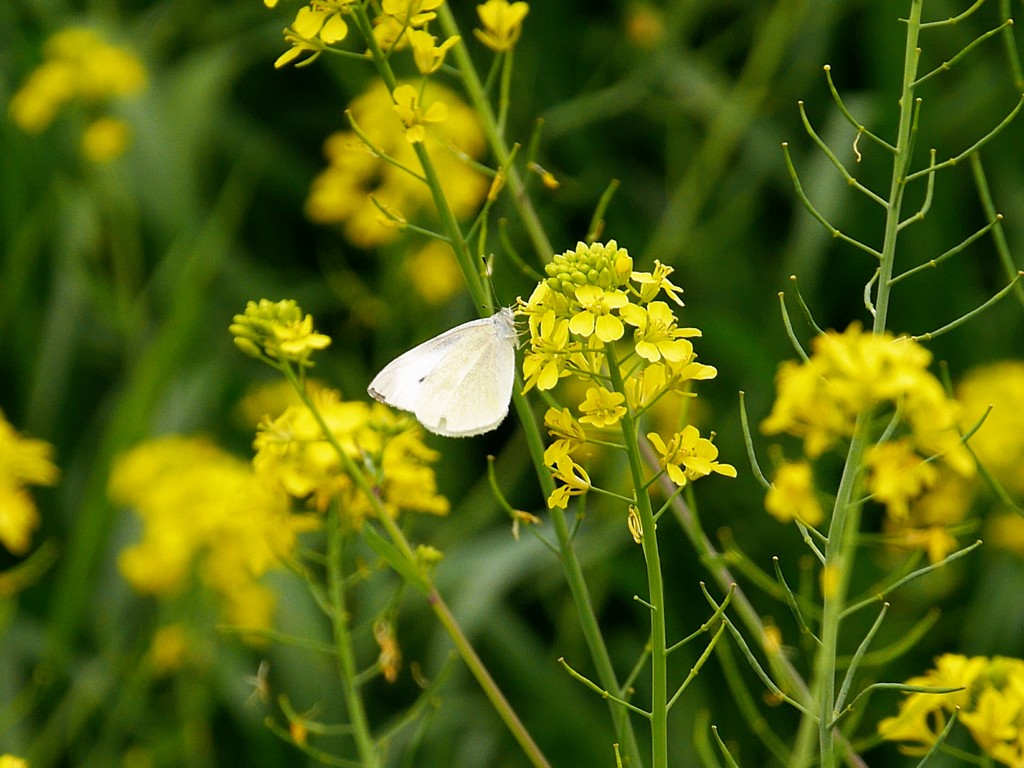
[(595, 314), (568, 434), (168, 649), (575, 481), (79, 64), (10, 761), (203, 508), (23, 461), (999, 442), (342, 192), (278, 331), (792, 495), (323, 19), (652, 283), (434, 273), (897, 475), (293, 454), (105, 139), (602, 408), (503, 22), (300, 46), (411, 13), (428, 56), (688, 456), (410, 110), (603, 265), (656, 335), (549, 352)]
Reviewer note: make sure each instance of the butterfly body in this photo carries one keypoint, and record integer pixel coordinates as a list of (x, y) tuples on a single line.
[(459, 383)]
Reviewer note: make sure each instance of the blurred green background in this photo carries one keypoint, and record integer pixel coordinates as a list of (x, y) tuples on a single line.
[(118, 281)]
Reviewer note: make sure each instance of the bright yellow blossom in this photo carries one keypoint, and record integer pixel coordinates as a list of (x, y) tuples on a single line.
[(409, 108), (687, 456), (23, 461), (426, 53), (293, 454), (411, 13), (10, 761), (602, 408), (573, 478), (595, 315), (503, 23), (897, 476), (656, 334)]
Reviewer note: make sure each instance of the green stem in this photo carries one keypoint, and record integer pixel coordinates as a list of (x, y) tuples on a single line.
[(478, 98), (835, 577), (655, 584), (347, 669), (900, 167)]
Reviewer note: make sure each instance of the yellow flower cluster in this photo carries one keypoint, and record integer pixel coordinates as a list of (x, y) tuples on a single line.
[(278, 332), (293, 454), (577, 317), (887, 378), (990, 703), (80, 66), (202, 507), (23, 461), (364, 179)]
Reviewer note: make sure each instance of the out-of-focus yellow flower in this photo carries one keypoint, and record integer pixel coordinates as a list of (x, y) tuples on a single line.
[(898, 475), (434, 273), (645, 25), (293, 454), (24, 461), (999, 442), (1006, 531), (687, 456), (78, 64), (167, 652), (792, 495), (990, 701), (10, 761), (503, 23), (200, 506), (278, 331), (342, 192), (105, 139)]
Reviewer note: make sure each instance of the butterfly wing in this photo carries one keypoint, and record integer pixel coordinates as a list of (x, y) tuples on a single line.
[(457, 384)]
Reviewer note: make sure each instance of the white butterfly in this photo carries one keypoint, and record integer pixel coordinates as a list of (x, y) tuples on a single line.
[(457, 384)]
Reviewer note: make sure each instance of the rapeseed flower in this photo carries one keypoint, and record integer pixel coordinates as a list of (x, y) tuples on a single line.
[(999, 441), (989, 694), (502, 22), (24, 461), (204, 511), (277, 331), (79, 66), (857, 372), (361, 178), (293, 454), (414, 115), (577, 318), (792, 494)]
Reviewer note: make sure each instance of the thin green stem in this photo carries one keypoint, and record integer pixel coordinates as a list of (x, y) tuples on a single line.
[(495, 139), (835, 578), (900, 168), (343, 643), (655, 585)]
